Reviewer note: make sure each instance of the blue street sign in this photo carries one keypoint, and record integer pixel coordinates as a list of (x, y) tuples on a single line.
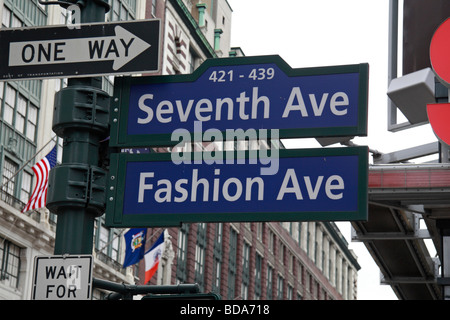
[(306, 184), (243, 92)]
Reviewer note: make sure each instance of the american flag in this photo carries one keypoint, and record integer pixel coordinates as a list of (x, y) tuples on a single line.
[(41, 170)]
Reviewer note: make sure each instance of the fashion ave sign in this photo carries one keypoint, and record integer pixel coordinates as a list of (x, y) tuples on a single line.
[(308, 184)]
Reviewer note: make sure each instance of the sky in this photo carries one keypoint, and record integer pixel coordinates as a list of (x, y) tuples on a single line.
[(313, 33)]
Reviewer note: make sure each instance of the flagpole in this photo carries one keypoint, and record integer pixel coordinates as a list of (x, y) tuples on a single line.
[(155, 233), (111, 241), (26, 163)]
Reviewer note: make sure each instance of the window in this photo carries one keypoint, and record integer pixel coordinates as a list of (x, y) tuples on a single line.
[(329, 269), (282, 252), (31, 123), (323, 261), (259, 230), (245, 271), (194, 60), (182, 253), (291, 263), (25, 13), (349, 284), (9, 19), (10, 102), (1, 95), (269, 282), (154, 8), (217, 258), (336, 282), (19, 12), (308, 240), (103, 239), (258, 267), (299, 236), (232, 264), (290, 292), (9, 178), (107, 240), (307, 281), (316, 252), (6, 17), (200, 248), (300, 273), (20, 113), (115, 247), (122, 10), (9, 263), (318, 290), (26, 187), (199, 262), (280, 285), (271, 241), (216, 275)]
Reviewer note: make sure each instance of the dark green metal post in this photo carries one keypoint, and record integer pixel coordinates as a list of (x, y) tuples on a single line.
[(76, 191)]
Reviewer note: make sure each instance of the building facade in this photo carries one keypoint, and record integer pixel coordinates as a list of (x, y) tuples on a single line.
[(308, 260), (270, 260)]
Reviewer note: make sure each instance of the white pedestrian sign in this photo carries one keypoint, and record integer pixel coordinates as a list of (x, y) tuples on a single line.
[(62, 277)]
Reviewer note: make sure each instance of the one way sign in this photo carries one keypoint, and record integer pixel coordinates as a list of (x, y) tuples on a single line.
[(93, 49)]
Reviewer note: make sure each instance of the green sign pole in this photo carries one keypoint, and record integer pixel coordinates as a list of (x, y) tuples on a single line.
[(76, 191)]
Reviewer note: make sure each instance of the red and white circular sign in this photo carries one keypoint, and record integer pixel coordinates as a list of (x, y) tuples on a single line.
[(440, 52)]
